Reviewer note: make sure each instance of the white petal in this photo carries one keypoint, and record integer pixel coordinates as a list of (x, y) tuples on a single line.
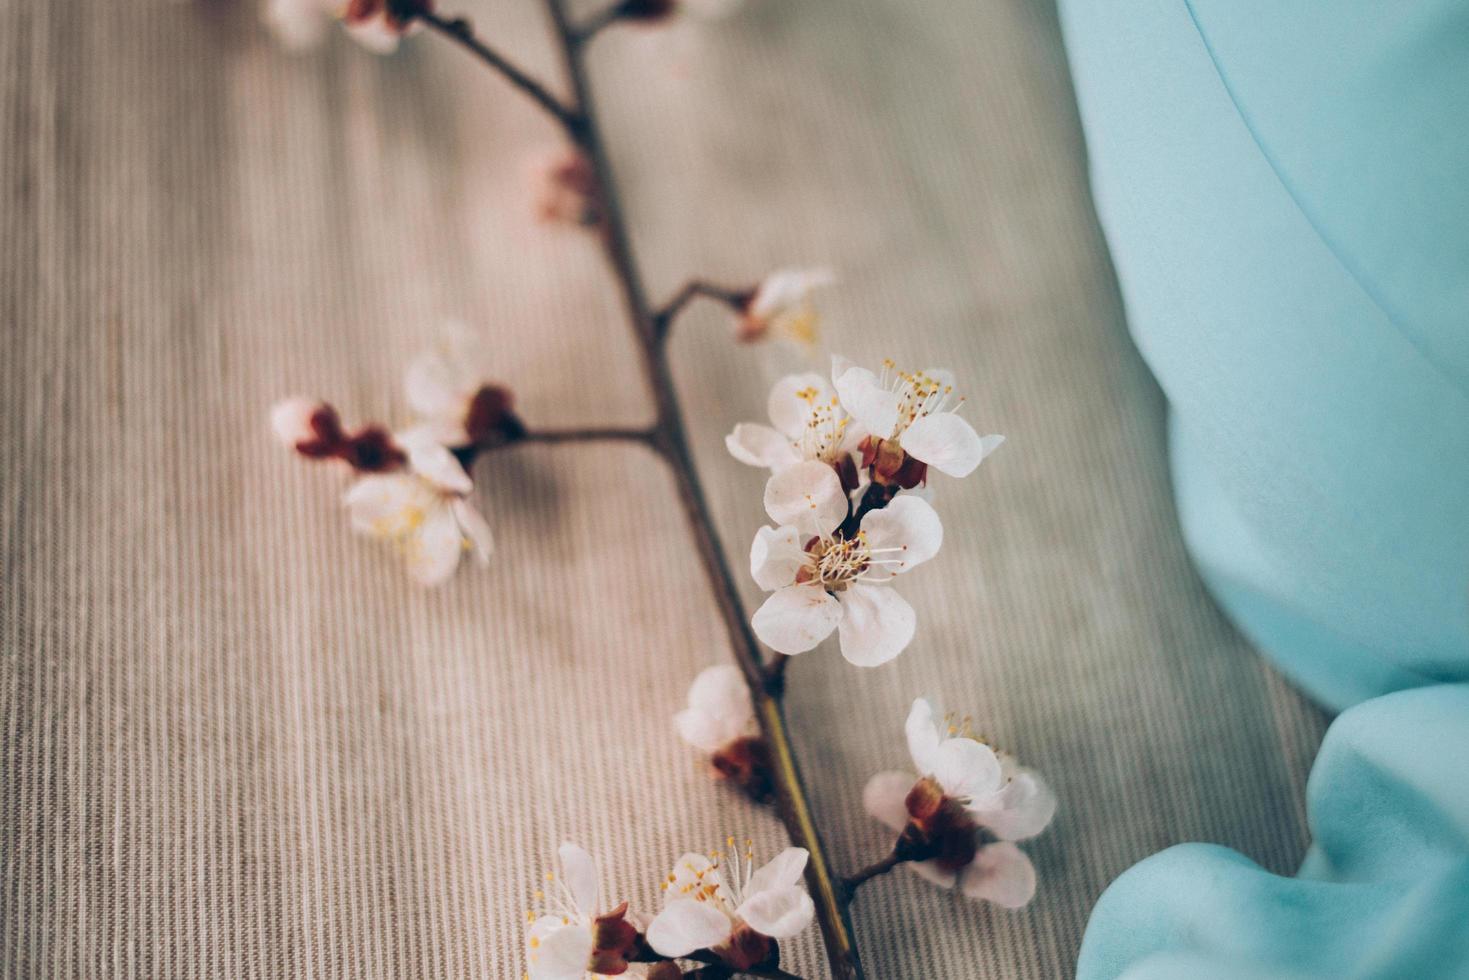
[(291, 420), (719, 709), (434, 386), (796, 618), (434, 462), (781, 871), (874, 407), (375, 35), (807, 496), (433, 552), (1000, 873), (685, 925), (559, 953), (775, 557), (1019, 810), (931, 871), (885, 797), (579, 871), (760, 445), (779, 913), (966, 768), (475, 529), (386, 505), (924, 737), (877, 624), (298, 24), (909, 523), (789, 412), (784, 288), (946, 442)]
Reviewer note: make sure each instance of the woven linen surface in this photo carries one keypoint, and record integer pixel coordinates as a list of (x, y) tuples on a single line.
[(237, 743)]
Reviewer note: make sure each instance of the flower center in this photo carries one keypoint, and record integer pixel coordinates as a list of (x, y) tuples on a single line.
[(919, 394), (836, 562), (826, 425)]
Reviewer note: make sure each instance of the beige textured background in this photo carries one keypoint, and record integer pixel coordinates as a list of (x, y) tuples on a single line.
[(235, 741)]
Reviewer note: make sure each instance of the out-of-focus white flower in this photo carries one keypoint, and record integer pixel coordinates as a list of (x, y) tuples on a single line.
[(735, 910), (294, 420), (574, 937), (781, 306), (822, 581), (913, 414), (719, 710), (299, 24), (969, 805), (424, 511), (447, 391), (807, 423)]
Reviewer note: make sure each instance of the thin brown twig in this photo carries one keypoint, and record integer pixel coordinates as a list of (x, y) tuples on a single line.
[(459, 30), (853, 882), (594, 24), (663, 319), (668, 437)]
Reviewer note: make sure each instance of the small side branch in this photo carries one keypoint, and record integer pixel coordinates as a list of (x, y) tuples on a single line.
[(663, 318), (852, 883), (459, 30)]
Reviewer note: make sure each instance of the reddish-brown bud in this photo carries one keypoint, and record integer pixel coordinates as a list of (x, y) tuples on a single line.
[(939, 828), (614, 942), (567, 189), (890, 465), (398, 14), (491, 420), (749, 950), (745, 763), (372, 450)]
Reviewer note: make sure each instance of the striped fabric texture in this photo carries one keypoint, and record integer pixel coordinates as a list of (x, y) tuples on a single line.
[(237, 742)]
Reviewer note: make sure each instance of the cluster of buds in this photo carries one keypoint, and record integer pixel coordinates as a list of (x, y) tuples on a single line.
[(717, 909), (412, 487), (849, 462)]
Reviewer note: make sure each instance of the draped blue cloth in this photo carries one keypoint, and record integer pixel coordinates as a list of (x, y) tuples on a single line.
[(1284, 186)]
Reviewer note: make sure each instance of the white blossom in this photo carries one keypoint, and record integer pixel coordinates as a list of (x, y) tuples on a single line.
[(782, 305), (706, 901), (719, 710), (1011, 803), (424, 511), (915, 411), (822, 581), (807, 422), (576, 936)]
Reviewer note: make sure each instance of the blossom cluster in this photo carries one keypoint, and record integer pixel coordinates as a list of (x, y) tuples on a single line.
[(957, 818), (717, 908), (412, 487), (849, 460)]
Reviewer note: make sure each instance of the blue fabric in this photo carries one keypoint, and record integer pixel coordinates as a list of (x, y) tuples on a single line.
[(1383, 893), (1284, 186)]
